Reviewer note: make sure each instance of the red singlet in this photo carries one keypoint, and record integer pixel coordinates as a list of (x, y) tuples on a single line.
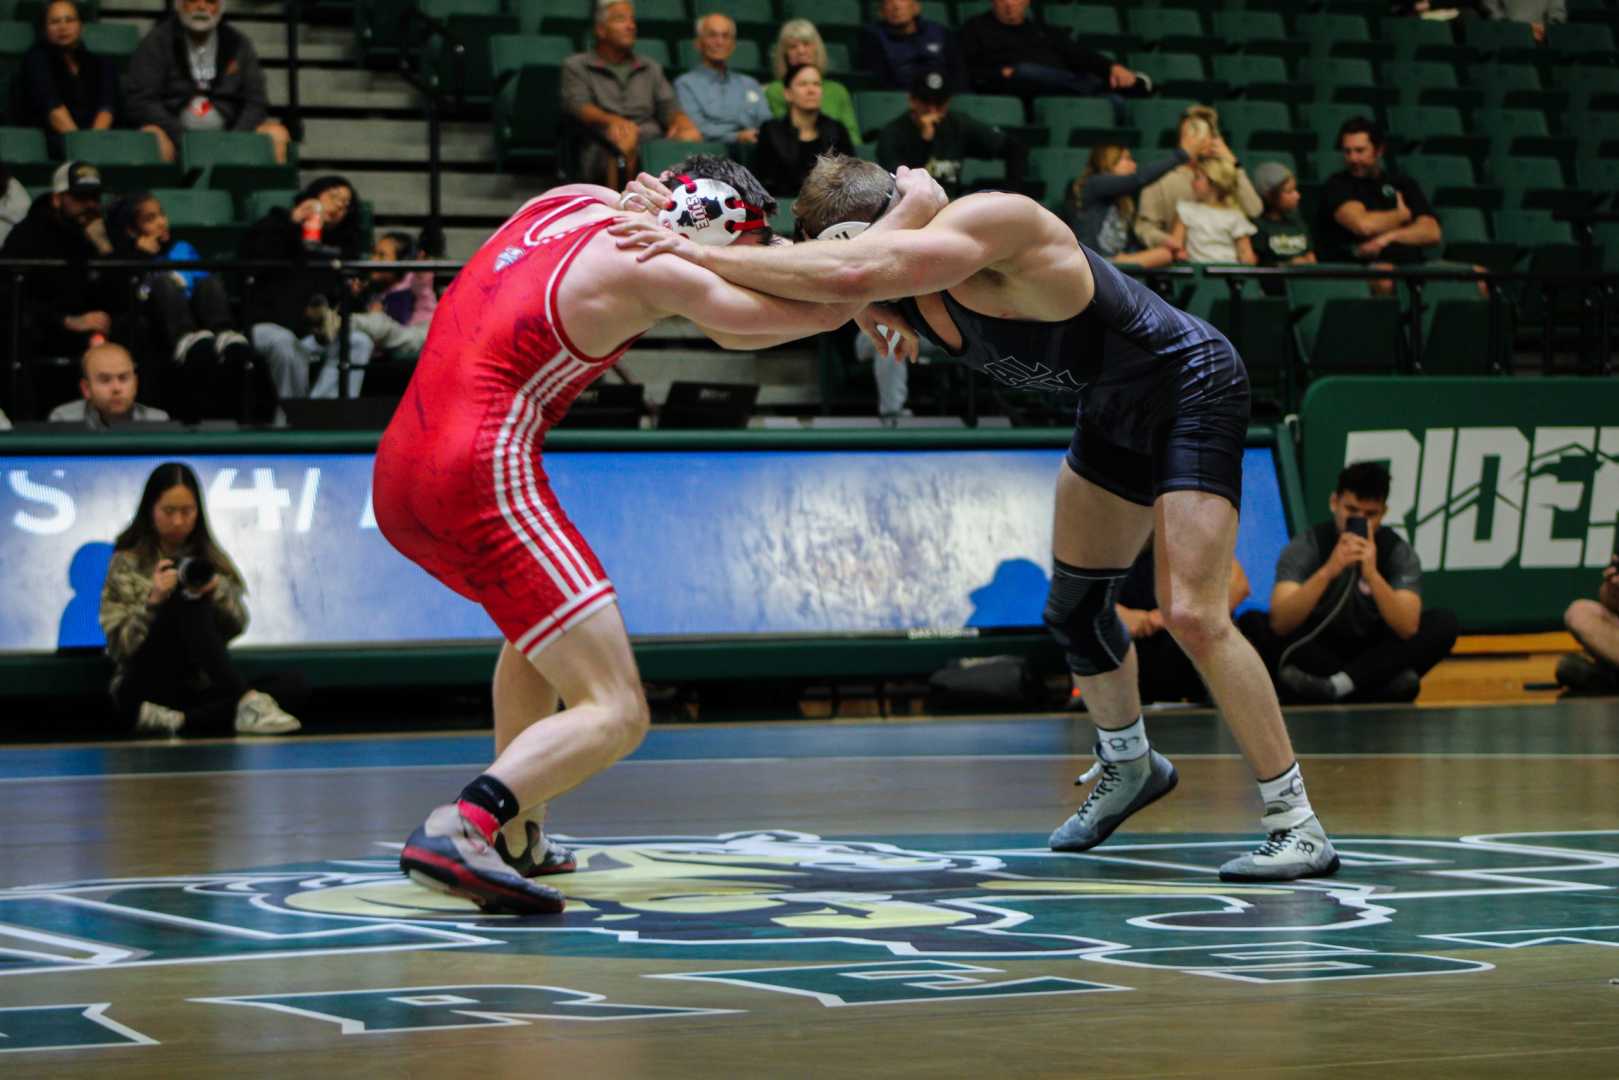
[(458, 486)]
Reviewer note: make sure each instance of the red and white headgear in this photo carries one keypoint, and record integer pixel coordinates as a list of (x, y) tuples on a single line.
[(710, 211)]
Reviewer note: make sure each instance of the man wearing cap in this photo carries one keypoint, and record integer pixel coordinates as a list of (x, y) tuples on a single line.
[(64, 308), (929, 136), (194, 72), (1283, 238)]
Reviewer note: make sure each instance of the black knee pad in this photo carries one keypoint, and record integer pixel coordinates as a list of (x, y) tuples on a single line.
[(1081, 616)]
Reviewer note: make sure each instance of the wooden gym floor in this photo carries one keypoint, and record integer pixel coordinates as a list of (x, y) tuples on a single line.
[(826, 900)]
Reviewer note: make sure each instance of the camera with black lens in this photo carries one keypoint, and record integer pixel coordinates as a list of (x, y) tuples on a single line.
[(195, 574)]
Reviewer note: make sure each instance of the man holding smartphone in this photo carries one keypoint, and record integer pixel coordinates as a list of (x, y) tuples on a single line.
[(1346, 618)]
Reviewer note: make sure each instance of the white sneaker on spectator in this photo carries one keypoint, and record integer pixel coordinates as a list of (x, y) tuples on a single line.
[(258, 714), (183, 347), (226, 338), (154, 719)]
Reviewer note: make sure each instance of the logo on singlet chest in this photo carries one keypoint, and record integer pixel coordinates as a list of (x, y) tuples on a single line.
[(1026, 375)]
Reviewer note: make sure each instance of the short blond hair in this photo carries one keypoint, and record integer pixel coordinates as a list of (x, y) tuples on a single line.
[(792, 32), (1222, 177), (841, 188)]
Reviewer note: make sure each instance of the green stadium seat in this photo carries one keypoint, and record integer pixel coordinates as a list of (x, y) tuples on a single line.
[(1259, 78), (667, 19), (839, 58), (379, 30), (1501, 39), (1449, 180), (978, 173), (781, 222), (996, 110), (235, 162), (971, 9), (1179, 74), (1322, 164), (1515, 86), (1463, 225), (1244, 29), (16, 38), (749, 57), (260, 203), (1591, 88), (1436, 129), (1456, 337), (1057, 167), (1325, 119), (867, 150), (1170, 29), (660, 154), (1158, 119), (472, 23), (837, 20), (755, 19), (116, 41), (186, 207), (1342, 330), (31, 11), (128, 160), (1419, 39), (938, 11), (1550, 248), (1525, 132), (1600, 175), (1531, 229), (26, 156), (1350, 82), (1533, 183), (1341, 35), (1081, 122), (657, 51), (1413, 77), (527, 115), (1241, 121), (1263, 335), (878, 108), (1092, 26), (1607, 238), (510, 52)]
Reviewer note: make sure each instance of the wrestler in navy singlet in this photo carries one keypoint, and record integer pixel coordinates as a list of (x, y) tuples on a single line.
[(1163, 396)]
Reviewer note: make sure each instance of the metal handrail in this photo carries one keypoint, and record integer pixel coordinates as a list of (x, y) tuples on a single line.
[(294, 114), (419, 30)]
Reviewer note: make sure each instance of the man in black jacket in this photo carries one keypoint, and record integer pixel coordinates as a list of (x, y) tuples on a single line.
[(195, 73), (1009, 53), (930, 136), (63, 309)]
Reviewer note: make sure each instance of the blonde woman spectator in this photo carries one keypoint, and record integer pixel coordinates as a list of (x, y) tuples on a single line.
[(1155, 211), (800, 43), (1101, 203), (1211, 228)]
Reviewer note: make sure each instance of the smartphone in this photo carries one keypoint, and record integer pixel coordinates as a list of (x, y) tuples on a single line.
[(1356, 525)]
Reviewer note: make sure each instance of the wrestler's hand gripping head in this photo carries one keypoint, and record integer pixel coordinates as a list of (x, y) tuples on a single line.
[(711, 212)]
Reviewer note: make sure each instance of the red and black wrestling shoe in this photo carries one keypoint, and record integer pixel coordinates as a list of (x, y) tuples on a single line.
[(447, 853), (553, 858)]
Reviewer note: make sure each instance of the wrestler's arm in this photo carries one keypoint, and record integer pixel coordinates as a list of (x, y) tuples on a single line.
[(968, 235), (733, 316)]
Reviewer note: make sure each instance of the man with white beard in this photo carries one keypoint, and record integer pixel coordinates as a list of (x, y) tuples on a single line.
[(195, 73)]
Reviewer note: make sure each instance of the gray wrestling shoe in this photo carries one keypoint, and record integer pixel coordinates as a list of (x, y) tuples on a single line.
[(1121, 789), (1302, 851), (554, 858), (448, 854)]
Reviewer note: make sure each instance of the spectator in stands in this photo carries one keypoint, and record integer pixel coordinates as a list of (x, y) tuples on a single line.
[(172, 602), (1209, 228), (1368, 214), (1283, 238), (726, 106), (14, 203), (902, 44), (1165, 672), (285, 306), (930, 136), (1346, 616), (1537, 13), (1595, 623), (5, 421), (623, 97), (1155, 216), (188, 311), (63, 308), (108, 383), (66, 87), (800, 43), (194, 72), (788, 147), (1009, 53), (397, 305), (1101, 204)]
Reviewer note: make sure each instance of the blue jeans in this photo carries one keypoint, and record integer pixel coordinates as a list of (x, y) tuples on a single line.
[(1032, 80)]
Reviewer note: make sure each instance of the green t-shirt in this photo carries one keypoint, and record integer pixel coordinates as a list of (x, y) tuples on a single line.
[(1280, 242), (835, 102)]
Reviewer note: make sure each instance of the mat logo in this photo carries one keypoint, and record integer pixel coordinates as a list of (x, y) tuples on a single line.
[(1483, 498)]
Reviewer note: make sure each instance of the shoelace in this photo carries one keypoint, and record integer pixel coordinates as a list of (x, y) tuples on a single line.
[(1106, 775), (1276, 842)]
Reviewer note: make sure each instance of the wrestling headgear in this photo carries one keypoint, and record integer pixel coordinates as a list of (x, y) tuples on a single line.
[(710, 212), (848, 230)]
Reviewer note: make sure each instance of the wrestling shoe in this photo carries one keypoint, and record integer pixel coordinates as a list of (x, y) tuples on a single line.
[(1582, 675), (1122, 788), (1302, 851), (154, 719), (448, 855), (554, 858), (258, 714)]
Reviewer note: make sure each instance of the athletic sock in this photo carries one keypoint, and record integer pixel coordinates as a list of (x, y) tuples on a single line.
[(488, 804), (1122, 744), (1342, 685), (1286, 802)]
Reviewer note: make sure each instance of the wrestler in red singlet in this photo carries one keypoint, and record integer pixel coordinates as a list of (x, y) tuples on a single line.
[(459, 486)]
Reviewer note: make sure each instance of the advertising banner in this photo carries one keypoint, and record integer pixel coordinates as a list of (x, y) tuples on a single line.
[(1508, 488), (698, 543)]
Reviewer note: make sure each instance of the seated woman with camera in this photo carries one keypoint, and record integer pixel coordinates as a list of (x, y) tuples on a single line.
[(172, 602)]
